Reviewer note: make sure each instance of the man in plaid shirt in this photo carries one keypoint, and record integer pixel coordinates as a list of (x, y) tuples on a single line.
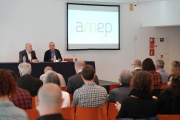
[(90, 94), (23, 100)]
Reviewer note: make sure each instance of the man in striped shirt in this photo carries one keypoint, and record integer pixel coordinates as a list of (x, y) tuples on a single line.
[(160, 69), (90, 94)]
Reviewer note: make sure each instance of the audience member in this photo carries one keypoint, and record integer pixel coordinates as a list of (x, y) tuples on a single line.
[(49, 102), (118, 94), (75, 81), (52, 77), (8, 88), (23, 99), (160, 69), (136, 66), (26, 81), (169, 100), (47, 69), (90, 94), (139, 103), (175, 68), (149, 66), (28, 53)]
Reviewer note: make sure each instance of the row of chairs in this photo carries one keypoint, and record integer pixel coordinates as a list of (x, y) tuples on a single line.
[(106, 112)]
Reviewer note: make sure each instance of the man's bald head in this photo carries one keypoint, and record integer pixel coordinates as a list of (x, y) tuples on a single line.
[(48, 68), (49, 96), (80, 64), (137, 63)]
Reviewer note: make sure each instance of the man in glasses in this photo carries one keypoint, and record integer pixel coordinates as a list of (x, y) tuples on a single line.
[(136, 66)]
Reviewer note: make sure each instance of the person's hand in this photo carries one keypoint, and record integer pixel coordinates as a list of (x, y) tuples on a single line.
[(52, 59), (34, 60), (118, 106), (154, 97), (59, 60)]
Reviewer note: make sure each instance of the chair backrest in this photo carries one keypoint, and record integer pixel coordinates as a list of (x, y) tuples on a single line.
[(168, 117), (69, 59), (63, 88), (112, 111), (33, 114), (68, 112), (95, 113), (33, 103), (112, 86), (163, 85)]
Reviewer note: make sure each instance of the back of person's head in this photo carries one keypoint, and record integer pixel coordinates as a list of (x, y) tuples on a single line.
[(137, 63), (24, 68), (88, 72), (160, 63), (148, 65), (49, 97), (8, 85), (80, 64), (48, 68), (52, 77), (175, 67), (13, 75), (126, 77), (142, 81)]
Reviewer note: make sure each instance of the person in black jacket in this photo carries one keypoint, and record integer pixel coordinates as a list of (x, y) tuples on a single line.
[(49, 54), (139, 103), (26, 81), (169, 100), (75, 81), (28, 53)]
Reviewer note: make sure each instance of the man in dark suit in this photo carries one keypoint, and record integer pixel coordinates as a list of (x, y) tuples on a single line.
[(28, 53), (136, 66), (49, 54), (75, 81), (26, 81)]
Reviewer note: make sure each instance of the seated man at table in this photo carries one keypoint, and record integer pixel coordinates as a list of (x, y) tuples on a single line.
[(48, 69), (49, 54), (26, 81), (118, 94), (49, 102), (23, 99), (28, 53), (90, 94), (76, 81)]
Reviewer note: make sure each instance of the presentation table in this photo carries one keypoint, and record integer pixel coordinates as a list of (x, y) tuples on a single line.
[(66, 69)]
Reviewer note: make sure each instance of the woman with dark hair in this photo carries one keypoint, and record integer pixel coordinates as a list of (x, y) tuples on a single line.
[(8, 88), (149, 66), (169, 100), (139, 103)]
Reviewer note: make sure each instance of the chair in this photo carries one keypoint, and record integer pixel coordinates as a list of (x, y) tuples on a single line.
[(33, 114), (168, 117), (112, 86), (163, 85), (63, 88), (95, 113), (71, 98), (33, 103), (68, 112), (112, 112), (69, 59)]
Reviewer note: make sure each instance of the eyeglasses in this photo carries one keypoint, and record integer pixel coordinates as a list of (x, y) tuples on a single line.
[(132, 64)]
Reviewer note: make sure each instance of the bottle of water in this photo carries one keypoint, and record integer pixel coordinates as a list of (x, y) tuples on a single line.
[(54, 58), (24, 59), (73, 58)]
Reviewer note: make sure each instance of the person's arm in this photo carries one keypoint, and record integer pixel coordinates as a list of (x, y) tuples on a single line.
[(69, 87), (59, 55), (46, 57), (122, 112), (75, 98), (111, 97)]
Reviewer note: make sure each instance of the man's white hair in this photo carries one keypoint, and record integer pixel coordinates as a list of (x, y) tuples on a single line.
[(26, 45), (25, 68)]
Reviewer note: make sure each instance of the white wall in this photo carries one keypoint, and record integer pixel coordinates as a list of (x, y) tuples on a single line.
[(161, 13), (42, 21)]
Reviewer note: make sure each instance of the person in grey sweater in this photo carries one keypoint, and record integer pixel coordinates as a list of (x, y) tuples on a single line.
[(8, 88)]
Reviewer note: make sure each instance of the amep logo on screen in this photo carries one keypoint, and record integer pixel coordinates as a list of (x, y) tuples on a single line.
[(105, 28)]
